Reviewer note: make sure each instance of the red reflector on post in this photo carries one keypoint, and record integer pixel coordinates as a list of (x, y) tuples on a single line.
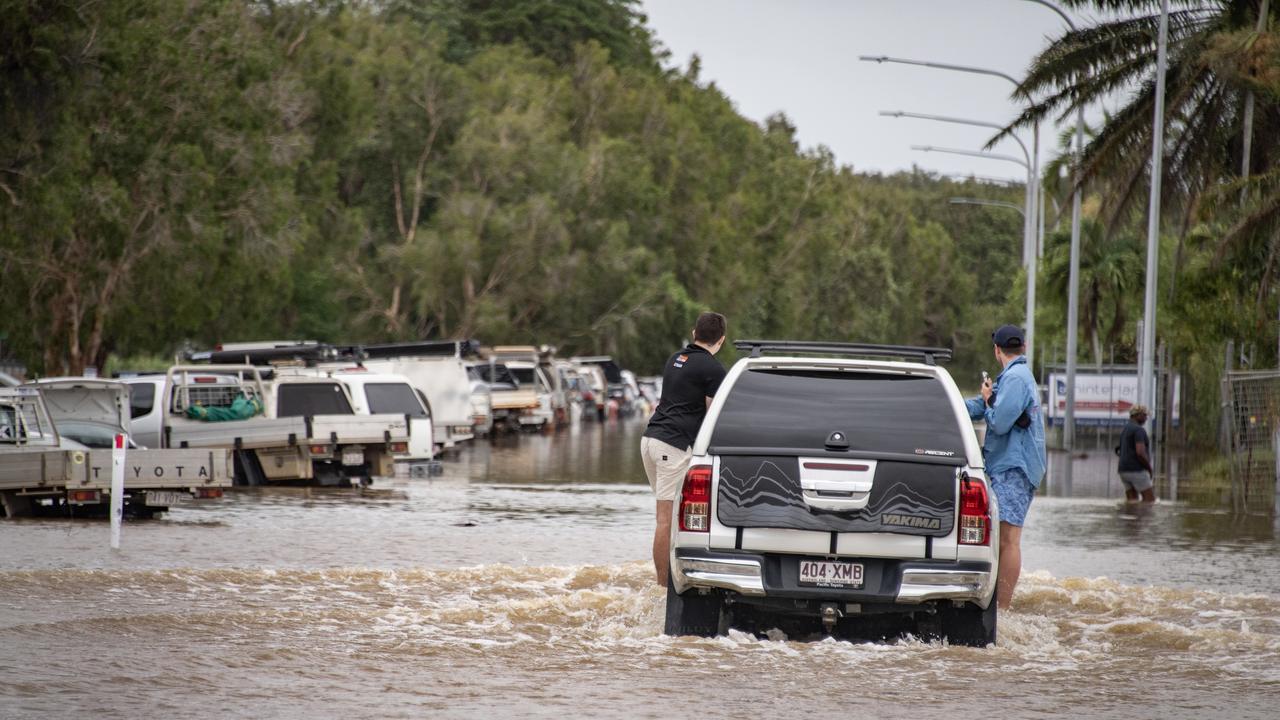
[(975, 513), (695, 500)]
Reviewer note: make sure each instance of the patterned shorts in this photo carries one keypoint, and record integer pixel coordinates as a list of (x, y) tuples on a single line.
[(1014, 493)]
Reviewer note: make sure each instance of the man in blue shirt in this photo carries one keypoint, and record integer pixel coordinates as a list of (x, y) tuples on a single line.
[(1013, 448)]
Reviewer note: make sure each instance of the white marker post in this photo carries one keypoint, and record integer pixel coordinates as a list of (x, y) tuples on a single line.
[(117, 489)]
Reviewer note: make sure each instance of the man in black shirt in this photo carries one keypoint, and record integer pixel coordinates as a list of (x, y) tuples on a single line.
[(1135, 458), (689, 382)]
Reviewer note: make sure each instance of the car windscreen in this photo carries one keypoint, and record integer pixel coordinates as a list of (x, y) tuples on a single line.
[(799, 408), (612, 372), (496, 373), (523, 375), (90, 435), (142, 398), (305, 399), (393, 398)]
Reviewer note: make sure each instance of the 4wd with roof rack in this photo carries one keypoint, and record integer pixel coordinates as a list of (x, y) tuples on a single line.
[(836, 487)]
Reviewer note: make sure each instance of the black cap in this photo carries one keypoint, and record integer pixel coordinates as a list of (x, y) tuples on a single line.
[(1008, 337)]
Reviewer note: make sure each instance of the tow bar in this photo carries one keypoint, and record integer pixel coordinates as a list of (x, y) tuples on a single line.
[(830, 614)]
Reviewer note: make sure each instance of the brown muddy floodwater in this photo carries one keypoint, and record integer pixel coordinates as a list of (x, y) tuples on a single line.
[(517, 586)]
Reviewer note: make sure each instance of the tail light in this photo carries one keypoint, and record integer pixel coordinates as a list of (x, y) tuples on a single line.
[(320, 450), (84, 496), (204, 493), (695, 500), (975, 513), (398, 447)]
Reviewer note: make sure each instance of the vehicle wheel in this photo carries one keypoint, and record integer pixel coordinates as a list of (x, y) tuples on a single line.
[(694, 613), (969, 625)]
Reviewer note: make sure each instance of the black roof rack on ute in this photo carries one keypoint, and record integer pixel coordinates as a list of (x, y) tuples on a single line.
[(419, 348), (929, 355), (308, 354)]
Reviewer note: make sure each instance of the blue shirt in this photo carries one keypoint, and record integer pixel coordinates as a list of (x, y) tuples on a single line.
[(1007, 445)]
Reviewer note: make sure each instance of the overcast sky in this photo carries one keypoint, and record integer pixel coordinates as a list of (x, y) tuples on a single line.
[(801, 57)]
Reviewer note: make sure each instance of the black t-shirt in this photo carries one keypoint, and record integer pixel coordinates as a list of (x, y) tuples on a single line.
[(1132, 434), (690, 377)]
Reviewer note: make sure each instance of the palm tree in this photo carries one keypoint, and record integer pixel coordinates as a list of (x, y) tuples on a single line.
[(1110, 275), (1216, 58)]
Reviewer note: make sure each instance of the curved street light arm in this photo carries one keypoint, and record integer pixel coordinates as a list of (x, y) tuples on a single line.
[(989, 203), (940, 66), (1058, 10), (958, 121), (973, 153)]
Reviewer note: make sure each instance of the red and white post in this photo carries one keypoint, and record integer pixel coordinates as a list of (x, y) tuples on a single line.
[(117, 489)]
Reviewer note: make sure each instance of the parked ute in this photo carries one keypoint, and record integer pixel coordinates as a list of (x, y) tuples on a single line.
[(595, 388), (90, 411), (299, 436), (532, 376), (511, 401), (391, 394), (345, 446), (845, 490), (536, 367), (614, 384), (42, 473), (434, 367)]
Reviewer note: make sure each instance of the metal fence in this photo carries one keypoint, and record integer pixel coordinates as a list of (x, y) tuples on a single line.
[(1251, 411)]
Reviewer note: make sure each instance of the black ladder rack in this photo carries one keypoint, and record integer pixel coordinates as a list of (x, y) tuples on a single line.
[(928, 355)]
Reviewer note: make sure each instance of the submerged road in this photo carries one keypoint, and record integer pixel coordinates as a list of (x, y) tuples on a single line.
[(517, 586)]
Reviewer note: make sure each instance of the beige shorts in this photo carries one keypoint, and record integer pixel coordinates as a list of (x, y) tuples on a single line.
[(665, 465)]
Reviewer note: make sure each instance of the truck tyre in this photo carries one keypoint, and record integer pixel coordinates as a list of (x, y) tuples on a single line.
[(693, 613), (969, 625)]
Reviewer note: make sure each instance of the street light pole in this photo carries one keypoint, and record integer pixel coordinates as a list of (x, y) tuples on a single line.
[(1073, 283), (1028, 242), (1146, 380), (1030, 252)]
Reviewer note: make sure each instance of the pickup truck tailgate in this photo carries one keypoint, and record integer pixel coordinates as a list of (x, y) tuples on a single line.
[(869, 508), (365, 429)]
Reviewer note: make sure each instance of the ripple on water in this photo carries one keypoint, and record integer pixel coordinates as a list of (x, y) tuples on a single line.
[(603, 620)]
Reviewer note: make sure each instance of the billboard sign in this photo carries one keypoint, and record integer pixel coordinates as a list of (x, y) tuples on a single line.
[(1102, 398)]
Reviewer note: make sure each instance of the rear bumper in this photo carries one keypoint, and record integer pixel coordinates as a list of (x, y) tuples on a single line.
[(898, 582)]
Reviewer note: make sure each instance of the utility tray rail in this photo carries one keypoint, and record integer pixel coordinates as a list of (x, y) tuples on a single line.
[(928, 355)]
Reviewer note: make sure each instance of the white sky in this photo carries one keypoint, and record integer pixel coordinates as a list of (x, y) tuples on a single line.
[(801, 57)]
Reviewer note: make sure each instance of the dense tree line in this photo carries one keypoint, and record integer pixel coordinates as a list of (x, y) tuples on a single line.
[(524, 171), (528, 171)]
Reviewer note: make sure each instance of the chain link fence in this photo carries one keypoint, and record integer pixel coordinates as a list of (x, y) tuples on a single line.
[(1251, 407)]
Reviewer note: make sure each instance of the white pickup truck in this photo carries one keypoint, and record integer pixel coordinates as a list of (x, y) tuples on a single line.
[(305, 433), (39, 475), (846, 490)]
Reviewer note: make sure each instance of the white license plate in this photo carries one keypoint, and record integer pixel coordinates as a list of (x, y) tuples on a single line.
[(831, 574), (166, 498), (352, 457)]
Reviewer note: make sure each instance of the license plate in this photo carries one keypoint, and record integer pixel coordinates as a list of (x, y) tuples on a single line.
[(166, 498), (352, 457), (831, 574)]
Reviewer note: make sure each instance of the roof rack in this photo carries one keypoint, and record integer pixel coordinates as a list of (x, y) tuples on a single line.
[(420, 348), (308, 354), (929, 355)]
